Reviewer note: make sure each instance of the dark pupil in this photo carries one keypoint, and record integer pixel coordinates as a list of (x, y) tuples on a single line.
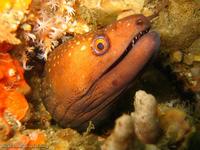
[(100, 46)]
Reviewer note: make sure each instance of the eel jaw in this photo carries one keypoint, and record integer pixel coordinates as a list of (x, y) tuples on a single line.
[(128, 49), (138, 36)]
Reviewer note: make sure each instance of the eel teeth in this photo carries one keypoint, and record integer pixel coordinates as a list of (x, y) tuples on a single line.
[(138, 36)]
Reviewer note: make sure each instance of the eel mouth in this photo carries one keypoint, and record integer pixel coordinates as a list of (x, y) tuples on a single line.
[(128, 49)]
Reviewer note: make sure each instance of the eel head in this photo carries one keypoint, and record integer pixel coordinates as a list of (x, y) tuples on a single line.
[(83, 76)]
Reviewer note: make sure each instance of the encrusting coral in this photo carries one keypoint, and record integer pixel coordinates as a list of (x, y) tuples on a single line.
[(11, 15), (13, 104), (28, 140), (174, 122)]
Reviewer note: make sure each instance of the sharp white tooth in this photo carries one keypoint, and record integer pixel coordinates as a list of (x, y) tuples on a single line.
[(133, 42), (141, 33)]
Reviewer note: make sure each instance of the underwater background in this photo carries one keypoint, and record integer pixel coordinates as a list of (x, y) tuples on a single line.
[(161, 109)]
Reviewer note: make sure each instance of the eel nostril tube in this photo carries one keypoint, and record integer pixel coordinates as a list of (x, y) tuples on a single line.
[(139, 21), (152, 16)]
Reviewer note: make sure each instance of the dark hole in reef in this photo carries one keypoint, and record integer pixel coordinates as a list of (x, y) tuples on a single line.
[(164, 91)]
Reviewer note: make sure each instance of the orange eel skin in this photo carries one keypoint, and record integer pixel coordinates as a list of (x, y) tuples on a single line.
[(84, 76)]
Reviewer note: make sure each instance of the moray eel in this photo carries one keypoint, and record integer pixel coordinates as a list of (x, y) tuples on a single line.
[(84, 76)]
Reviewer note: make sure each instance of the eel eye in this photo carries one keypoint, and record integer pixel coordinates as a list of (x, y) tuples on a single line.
[(100, 45)]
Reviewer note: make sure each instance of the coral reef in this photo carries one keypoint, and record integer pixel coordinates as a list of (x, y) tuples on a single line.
[(186, 66), (51, 139), (33, 26), (146, 121), (13, 105), (122, 135), (178, 26), (27, 140), (150, 123), (44, 25), (12, 74), (112, 6), (11, 14), (50, 21), (174, 122), (143, 125)]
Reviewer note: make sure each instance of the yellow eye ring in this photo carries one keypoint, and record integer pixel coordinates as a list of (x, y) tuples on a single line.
[(100, 45)]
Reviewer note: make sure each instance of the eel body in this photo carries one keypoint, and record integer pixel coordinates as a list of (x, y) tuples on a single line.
[(84, 76)]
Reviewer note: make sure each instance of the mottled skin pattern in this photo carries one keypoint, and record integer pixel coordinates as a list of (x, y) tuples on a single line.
[(78, 89)]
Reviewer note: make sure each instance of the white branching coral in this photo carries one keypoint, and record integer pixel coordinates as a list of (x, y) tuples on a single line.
[(53, 19), (145, 117), (122, 134), (142, 124), (42, 25), (53, 4), (29, 36), (69, 8), (44, 54)]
